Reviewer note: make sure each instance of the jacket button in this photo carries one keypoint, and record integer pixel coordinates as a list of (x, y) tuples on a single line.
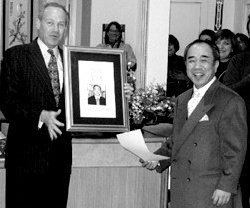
[(195, 144), (188, 179)]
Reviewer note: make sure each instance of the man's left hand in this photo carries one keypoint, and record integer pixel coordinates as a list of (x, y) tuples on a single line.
[(220, 197)]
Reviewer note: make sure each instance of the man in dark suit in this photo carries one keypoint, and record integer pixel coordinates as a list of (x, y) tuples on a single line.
[(96, 99), (38, 150), (208, 144)]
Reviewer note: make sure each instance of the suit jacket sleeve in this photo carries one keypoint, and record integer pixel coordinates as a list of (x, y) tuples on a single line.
[(233, 139), (14, 103), (165, 150)]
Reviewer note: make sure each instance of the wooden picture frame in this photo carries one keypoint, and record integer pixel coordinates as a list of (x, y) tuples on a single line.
[(17, 22), (84, 69)]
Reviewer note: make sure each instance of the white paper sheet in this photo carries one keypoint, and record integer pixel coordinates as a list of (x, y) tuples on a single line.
[(133, 141)]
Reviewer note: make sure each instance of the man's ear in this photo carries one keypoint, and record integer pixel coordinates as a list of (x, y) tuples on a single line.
[(38, 23), (216, 65)]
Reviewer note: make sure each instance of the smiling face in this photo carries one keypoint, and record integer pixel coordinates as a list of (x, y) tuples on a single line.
[(52, 26), (225, 47), (113, 34), (200, 64)]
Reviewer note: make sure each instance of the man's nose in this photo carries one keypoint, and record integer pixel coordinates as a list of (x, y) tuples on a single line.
[(220, 45), (197, 64), (56, 27)]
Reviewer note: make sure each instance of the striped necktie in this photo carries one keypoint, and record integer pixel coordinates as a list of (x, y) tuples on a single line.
[(54, 76)]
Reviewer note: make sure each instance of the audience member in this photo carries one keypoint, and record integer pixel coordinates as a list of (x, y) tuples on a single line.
[(207, 34), (208, 144), (113, 39), (177, 80), (237, 77), (226, 42), (242, 42)]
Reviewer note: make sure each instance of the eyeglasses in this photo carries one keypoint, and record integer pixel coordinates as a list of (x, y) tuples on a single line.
[(114, 32)]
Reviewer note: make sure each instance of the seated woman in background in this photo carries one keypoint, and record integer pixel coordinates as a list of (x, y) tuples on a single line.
[(113, 39), (242, 42), (207, 34), (177, 81), (226, 42)]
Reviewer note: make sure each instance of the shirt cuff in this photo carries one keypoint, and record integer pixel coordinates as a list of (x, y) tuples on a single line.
[(40, 123)]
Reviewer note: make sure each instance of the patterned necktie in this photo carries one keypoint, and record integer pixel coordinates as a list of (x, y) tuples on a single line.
[(54, 76), (193, 102)]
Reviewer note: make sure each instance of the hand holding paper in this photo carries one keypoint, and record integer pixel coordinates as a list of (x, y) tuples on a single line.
[(133, 141)]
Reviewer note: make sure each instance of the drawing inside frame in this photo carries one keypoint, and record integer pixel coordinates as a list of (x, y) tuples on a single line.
[(17, 22), (94, 90)]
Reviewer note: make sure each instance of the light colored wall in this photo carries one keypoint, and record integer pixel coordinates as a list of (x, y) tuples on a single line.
[(229, 14), (157, 43), (241, 11)]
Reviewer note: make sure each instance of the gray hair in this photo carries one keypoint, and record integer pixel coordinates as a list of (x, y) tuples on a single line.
[(53, 4)]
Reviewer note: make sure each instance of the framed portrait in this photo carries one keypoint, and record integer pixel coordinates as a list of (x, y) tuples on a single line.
[(94, 90), (17, 23)]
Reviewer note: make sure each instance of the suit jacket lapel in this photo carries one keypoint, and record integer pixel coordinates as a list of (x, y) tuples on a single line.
[(40, 65), (202, 108), (182, 110)]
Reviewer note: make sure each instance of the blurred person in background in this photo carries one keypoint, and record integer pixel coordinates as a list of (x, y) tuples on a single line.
[(226, 42), (207, 34), (177, 80), (242, 42)]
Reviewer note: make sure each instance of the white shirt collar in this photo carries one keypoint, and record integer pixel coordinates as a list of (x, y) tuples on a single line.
[(45, 48), (204, 89)]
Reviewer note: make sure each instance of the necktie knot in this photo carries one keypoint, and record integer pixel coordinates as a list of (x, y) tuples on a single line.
[(51, 52)]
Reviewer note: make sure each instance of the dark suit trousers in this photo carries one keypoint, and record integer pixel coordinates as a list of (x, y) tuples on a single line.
[(245, 181), (36, 191)]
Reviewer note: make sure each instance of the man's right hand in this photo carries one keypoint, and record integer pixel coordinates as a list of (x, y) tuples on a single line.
[(49, 118), (150, 165)]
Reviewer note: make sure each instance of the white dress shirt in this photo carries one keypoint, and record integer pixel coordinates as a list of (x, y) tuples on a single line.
[(197, 96), (46, 56)]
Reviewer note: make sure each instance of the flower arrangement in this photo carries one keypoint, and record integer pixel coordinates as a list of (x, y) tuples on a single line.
[(148, 105)]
